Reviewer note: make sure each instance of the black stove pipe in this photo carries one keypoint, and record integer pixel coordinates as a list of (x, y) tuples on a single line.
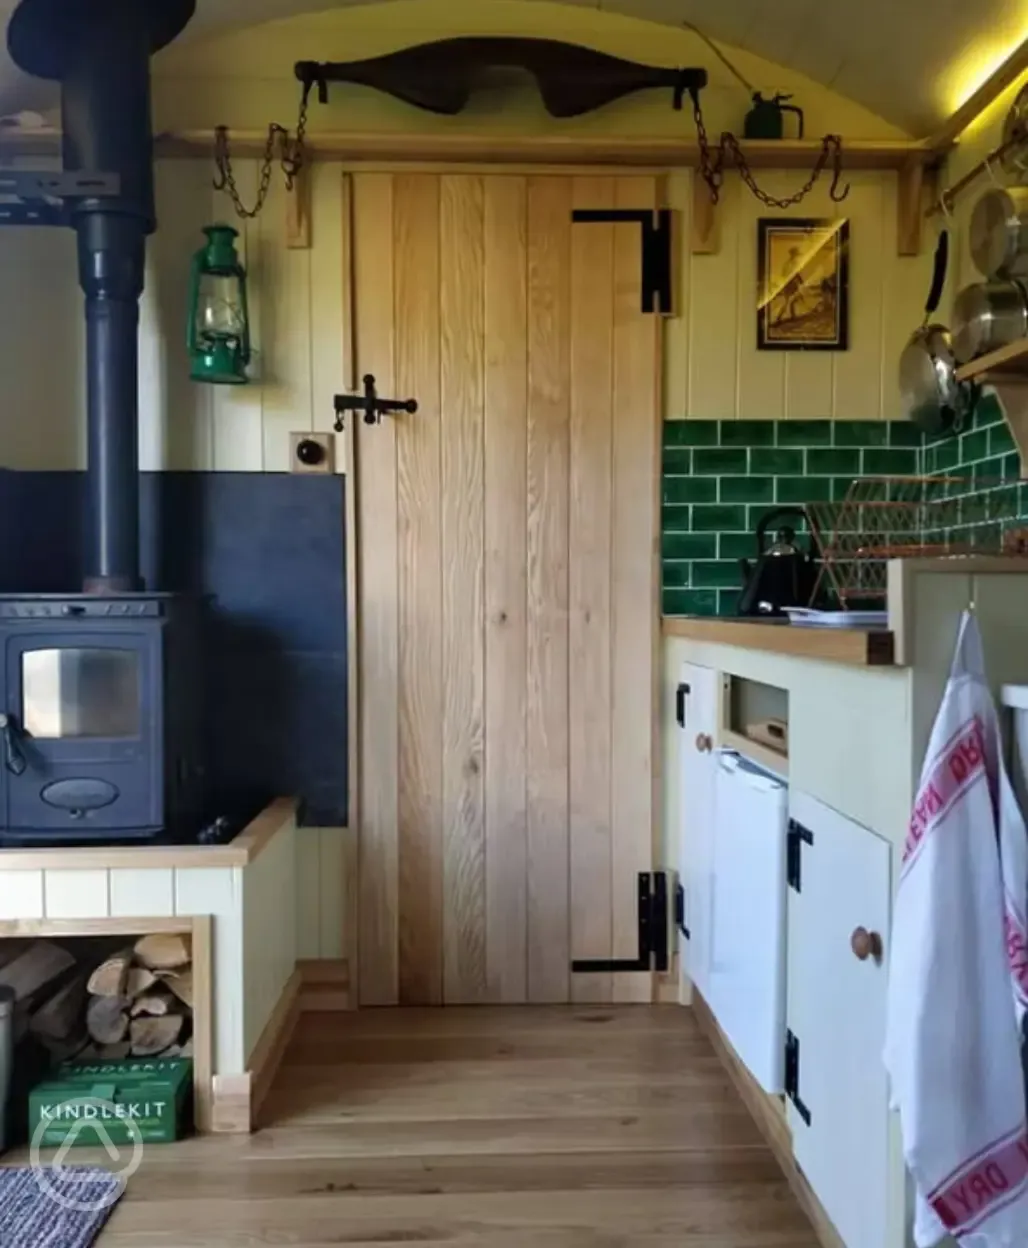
[(100, 53)]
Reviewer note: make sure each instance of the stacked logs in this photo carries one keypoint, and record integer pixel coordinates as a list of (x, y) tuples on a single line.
[(82, 1004)]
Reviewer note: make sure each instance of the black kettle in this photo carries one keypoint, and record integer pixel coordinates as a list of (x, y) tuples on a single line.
[(783, 575)]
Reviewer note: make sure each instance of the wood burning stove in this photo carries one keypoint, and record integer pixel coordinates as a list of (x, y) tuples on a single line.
[(100, 718)]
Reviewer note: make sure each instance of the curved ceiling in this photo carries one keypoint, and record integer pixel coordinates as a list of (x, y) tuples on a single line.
[(888, 55)]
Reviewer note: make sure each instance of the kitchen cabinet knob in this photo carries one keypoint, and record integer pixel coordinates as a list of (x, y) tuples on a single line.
[(866, 945), (704, 742)]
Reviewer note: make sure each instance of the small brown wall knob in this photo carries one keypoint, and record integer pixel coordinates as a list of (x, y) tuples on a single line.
[(866, 945), (704, 742)]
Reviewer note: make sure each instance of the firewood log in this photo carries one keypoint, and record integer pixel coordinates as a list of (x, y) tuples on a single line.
[(163, 951), (151, 1035), (61, 1015), (108, 980), (36, 967), (107, 1019), (139, 979), (158, 1002), (182, 986)]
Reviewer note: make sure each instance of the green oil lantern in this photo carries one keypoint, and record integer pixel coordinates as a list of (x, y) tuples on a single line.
[(218, 336)]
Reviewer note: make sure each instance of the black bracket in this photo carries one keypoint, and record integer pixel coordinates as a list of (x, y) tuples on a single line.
[(42, 196), (792, 1075), (369, 404), (656, 248), (794, 841), (681, 693), (680, 911), (653, 932)]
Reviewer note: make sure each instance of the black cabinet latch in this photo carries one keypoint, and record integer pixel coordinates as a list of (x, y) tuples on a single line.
[(681, 693), (680, 911), (792, 1075), (794, 841), (652, 901), (372, 407)]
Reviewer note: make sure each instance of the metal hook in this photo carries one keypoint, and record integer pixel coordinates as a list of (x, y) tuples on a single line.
[(946, 206)]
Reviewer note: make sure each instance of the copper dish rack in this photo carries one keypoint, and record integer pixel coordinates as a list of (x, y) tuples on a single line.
[(883, 518)]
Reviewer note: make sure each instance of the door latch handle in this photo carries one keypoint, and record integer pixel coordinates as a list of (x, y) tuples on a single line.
[(372, 407), (14, 759)]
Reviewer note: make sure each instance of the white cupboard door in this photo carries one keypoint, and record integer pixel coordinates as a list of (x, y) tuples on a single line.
[(698, 695), (836, 1016)]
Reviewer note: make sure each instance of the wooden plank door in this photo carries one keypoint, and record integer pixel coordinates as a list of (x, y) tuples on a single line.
[(507, 544)]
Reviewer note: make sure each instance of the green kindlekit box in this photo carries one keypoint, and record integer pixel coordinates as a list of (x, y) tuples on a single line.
[(85, 1101)]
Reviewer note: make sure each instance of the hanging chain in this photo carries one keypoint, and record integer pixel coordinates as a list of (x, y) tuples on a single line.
[(712, 165), (291, 161)]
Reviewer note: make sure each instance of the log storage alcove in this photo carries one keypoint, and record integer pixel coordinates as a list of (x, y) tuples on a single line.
[(190, 947)]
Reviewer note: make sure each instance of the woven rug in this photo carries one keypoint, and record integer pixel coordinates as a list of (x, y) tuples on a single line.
[(55, 1208)]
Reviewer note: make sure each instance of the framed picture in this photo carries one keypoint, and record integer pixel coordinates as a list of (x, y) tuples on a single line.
[(802, 284)]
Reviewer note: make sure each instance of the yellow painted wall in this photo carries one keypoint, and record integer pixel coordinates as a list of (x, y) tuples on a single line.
[(245, 80)]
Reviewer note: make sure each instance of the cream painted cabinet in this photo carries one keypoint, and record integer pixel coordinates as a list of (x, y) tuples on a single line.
[(837, 1096), (697, 698)]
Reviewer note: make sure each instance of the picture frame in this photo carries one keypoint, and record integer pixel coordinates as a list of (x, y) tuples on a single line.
[(803, 283)]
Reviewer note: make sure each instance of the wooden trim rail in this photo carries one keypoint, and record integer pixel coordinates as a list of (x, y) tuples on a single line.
[(442, 146)]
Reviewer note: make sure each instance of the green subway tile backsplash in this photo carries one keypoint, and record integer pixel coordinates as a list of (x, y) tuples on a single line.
[(689, 546), (691, 432), (835, 463), (746, 490), (689, 489), (861, 433), (721, 477), (719, 462), (747, 433), (777, 463), (804, 433), (718, 519)]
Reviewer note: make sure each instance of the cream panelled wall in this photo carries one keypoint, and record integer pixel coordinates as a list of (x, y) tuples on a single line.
[(297, 298), (713, 367)]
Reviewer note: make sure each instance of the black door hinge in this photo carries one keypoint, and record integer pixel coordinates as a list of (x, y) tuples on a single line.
[(794, 840), (651, 892), (681, 693), (792, 1075), (680, 911), (656, 248)]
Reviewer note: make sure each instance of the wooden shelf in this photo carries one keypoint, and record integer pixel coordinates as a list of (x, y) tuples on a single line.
[(1009, 362), (856, 647), (441, 146)]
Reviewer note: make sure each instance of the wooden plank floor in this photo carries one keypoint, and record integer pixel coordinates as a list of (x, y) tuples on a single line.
[(556, 1127)]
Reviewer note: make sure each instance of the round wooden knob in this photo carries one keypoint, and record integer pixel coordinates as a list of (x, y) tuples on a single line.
[(866, 945), (704, 742)]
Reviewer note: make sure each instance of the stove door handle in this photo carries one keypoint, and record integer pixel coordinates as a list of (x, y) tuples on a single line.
[(14, 759)]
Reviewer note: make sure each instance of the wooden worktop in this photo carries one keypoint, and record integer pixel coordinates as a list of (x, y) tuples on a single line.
[(856, 646), (239, 852)]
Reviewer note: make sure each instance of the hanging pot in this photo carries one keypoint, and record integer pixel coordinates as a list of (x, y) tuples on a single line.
[(932, 397), (988, 315), (998, 234)]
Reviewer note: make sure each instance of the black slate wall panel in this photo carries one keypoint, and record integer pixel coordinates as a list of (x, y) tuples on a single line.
[(269, 552)]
